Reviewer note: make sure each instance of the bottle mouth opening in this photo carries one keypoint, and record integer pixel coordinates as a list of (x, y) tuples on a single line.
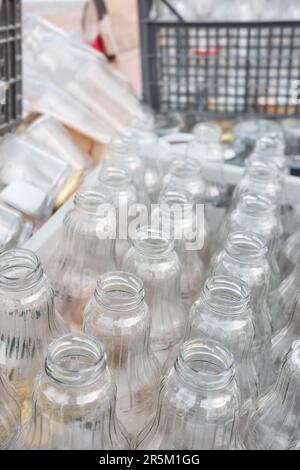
[(263, 172), (246, 246), (177, 198), (255, 206), (75, 359), (115, 178), (90, 200), (208, 133), (152, 242), (205, 364), (125, 145), (272, 142), (119, 291), (20, 269), (220, 291)]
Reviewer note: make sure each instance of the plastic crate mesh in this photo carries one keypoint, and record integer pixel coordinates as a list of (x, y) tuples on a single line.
[(221, 68), (10, 64)]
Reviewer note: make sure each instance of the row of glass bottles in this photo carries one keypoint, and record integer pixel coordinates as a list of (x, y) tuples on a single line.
[(118, 316)]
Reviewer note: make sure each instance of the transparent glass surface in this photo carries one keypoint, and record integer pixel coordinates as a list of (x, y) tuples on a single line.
[(275, 423), (119, 317), (10, 416), (176, 216), (153, 259), (28, 321), (74, 400), (199, 402), (48, 134), (14, 228), (245, 257), (84, 252), (118, 184), (223, 313)]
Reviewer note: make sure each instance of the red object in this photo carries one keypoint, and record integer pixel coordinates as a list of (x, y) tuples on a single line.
[(205, 52), (99, 44)]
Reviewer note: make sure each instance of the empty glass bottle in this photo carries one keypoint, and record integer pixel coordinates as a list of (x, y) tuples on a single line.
[(275, 423), (271, 148), (85, 251), (74, 400), (245, 257), (223, 313), (10, 413), (176, 216), (290, 333), (123, 152), (119, 317), (290, 254), (199, 402), (117, 182), (28, 321), (154, 260), (258, 214), (283, 304)]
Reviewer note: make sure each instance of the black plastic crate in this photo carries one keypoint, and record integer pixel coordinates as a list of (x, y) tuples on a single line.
[(10, 64), (220, 68)]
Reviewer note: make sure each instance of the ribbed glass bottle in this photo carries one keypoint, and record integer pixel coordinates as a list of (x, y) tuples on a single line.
[(271, 148), (275, 423), (85, 251), (117, 182), (176, 216), (10, 413), (28, 320), (123, 152), (119, 317), (223, 313), (74, 400), (199, 402), (245, 257), (154, 260)]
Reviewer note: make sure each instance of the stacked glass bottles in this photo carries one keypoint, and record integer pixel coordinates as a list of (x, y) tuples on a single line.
[(85, 251), (74, 400), (154, 260), (275, 423), (245, 257), (199, 402), (28, 321), (123, 152), (117, 182), (120, 318), (223, 313), (176, 215), (10, 413)]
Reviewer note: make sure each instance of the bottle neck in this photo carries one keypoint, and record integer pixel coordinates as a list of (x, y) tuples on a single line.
[(120, 291), (115, 179), (205, 365), (256, 207), (187, 169), (20, 270), (90, 201), (75, 360), (246, 247), (152, 243), (226, 295), (288, 384), (208, 133)]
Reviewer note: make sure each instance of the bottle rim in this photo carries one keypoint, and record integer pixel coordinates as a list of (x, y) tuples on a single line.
[(226, 294), (246, 247), (151, 242), (119, 291), (20, 269)]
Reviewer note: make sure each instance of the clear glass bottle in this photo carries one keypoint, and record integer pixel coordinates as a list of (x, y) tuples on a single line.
[(154, 260), (117, 182), (290, 254), (123, 152), (199, 402), (85, 251), (245, 257), (119, 317), (271, 148), (10, 415), (176, 216), (223, 313), (74, 400), (262, 179), (28, 321), (283, 304), (186, 174), (291, 332), (148, 150), (275, 423), (258, 214)]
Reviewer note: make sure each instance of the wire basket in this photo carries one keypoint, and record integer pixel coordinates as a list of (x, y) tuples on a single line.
[(220, 68), (10, 64)]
